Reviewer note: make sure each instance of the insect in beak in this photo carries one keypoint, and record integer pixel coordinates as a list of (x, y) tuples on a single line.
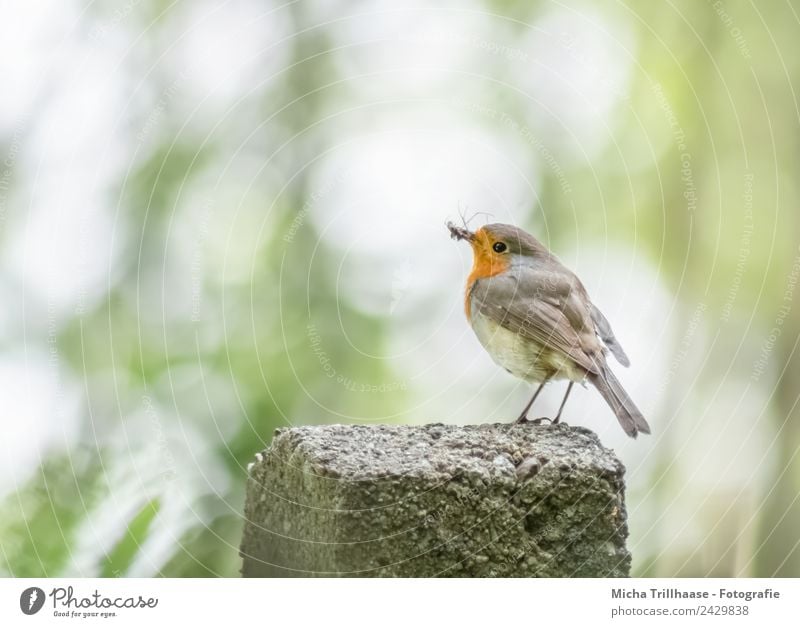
[(458, 233)]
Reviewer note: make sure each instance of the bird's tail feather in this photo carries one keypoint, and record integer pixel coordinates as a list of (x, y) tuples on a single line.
[(617, 398)]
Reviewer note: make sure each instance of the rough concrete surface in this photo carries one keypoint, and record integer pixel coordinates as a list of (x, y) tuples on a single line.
[(436, 500)]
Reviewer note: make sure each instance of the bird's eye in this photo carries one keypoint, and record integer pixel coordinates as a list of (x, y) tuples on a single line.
[(499, 247)]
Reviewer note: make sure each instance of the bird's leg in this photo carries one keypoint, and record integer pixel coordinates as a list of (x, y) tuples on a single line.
[(564, 402), (523, 417)]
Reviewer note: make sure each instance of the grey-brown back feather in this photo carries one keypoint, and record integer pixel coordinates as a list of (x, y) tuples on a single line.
[(608, 337), (508, 300)]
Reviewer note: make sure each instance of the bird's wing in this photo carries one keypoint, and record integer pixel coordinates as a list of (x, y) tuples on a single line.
[(608, 337), (538, 314)]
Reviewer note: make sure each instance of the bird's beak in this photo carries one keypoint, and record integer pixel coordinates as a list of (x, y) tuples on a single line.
[(456, 232)]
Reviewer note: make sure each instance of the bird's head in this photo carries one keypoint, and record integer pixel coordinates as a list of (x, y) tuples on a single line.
[(496, 246)]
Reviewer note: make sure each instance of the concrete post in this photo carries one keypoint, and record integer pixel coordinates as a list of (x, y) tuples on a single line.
[(422, 501)]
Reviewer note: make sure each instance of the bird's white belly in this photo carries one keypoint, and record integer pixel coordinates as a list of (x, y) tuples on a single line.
[(522, 357)]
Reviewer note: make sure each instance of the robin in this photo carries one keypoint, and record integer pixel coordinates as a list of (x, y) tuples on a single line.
[(534, 317)]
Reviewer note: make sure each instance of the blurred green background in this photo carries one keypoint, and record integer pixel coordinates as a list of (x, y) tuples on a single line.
[(221, 218)]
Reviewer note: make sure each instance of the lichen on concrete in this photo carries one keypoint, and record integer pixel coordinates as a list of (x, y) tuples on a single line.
[(437, 500)]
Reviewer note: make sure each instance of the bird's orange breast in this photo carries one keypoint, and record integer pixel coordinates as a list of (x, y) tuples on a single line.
[(486, 263)]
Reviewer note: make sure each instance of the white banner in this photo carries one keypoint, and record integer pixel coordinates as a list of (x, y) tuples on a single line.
[(331, 602)]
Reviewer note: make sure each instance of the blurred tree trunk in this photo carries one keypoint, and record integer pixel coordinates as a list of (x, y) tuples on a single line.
[(779, 530), (780, 544)]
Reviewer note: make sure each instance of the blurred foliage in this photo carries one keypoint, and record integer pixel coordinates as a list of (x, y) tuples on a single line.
[(39, 521), (122, 555)]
